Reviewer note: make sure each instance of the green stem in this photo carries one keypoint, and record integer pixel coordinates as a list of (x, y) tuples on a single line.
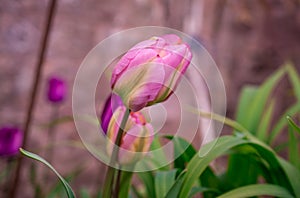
[(125, 180), (110, 175), (117, 186)]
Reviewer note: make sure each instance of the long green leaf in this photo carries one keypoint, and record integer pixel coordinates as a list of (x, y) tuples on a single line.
[(252, 116), (58, 190), (257, 190), (293, 124), (282, 173), (147, 179), (293, 175), (281, 123), (264, 125), (208, 180), (183, 151), (175, 189), (279, 175), (68, 188), (293, 151), (198, 164), (295, 79), (246, 97), (242, 170), (199, 189), (163, 182)]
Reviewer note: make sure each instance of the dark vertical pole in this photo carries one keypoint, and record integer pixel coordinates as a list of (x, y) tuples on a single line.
[(36, 82)]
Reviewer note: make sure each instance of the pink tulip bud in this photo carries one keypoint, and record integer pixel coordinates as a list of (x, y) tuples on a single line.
[(150, 71), (137, 138)]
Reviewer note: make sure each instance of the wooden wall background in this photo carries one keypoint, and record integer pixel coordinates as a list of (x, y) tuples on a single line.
[(248, 39)]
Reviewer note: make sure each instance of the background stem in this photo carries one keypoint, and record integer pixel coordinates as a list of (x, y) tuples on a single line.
[(37, 77)]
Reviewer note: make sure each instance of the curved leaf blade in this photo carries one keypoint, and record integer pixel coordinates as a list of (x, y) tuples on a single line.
[(163, 182), (198, 164), (257, 190), (175, 189), (67, 187)]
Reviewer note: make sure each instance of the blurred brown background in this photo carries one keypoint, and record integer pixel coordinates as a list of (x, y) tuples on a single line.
[(248, 39)]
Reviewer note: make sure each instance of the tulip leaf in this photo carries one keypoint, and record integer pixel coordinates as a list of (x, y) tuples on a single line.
[(67, 187), (293, 124), (183, 151), (278, 172), (257, 190), (198, 164), (148, 179), (293, 153), (163, 182), (264, 125), (293, 175), (294, 78), (175, 189), (281, 123), (209, 181), (246, 96), (200, 189), (256, 104), (242, 164)]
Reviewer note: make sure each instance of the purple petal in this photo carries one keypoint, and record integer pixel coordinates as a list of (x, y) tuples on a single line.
[(112, 103)]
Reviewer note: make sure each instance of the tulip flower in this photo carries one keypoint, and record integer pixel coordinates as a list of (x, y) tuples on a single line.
[(56, 90), (10, 140), (150, 71), (137, 137)]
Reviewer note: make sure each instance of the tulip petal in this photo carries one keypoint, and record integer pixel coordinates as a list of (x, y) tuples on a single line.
[(132, 58), (140, 85), (136, 141), (147, 43), (137, 137), (171, 39), (142, 57), (173, 75)]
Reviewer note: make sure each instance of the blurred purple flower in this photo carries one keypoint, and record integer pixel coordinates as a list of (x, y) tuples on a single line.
[(112, 102), (56, 90), (10, 140)]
